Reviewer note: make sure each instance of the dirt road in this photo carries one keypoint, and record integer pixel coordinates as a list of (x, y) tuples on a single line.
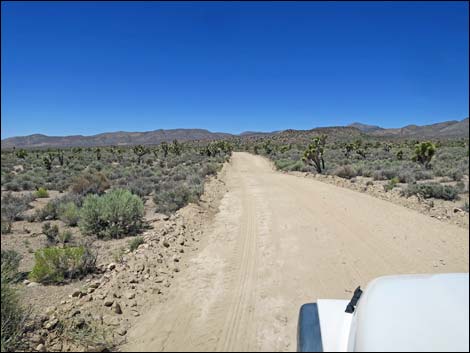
[(280, 241)]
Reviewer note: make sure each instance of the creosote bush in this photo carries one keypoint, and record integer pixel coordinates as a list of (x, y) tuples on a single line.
[(41, 193), (135, 242), (114, 215), (69, 213), (55, 264)]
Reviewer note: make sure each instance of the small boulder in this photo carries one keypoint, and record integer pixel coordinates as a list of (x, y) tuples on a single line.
[(116, 308), (41, 347), (50, 325)]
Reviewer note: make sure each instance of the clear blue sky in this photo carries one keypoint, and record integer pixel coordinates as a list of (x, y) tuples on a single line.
[(91, 67)]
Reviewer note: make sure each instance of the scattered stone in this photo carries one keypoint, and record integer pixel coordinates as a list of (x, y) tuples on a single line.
[(37, 339), (90, 290), (26, 282), (76, 293), (116, 308), (95, 285), (130, 295), (51, 324), (74, 312), (80, 322), (135, 313), (133, 304), (121, 331), (108, 302), (41, 348), (34, 284), (51, 310), (111, 266), (111, 320)]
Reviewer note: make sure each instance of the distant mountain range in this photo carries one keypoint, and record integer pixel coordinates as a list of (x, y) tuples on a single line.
[(445, 129), (452, 128)]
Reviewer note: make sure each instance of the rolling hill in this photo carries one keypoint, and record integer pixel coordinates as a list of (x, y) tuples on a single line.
[(446, 129)]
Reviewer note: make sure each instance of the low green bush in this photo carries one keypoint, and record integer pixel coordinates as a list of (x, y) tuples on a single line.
[(116, 214), (54, 264), (41, 193), (432, 190), (69, 213), (391, 184), (134, 243)]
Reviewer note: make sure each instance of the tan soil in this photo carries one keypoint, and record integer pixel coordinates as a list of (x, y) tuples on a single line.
[(279, 241)]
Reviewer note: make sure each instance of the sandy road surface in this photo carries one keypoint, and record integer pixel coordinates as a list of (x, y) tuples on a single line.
[(280, 241)]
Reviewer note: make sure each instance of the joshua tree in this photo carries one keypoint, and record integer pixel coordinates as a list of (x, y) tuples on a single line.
[(21, 154), (424, 152), (176, 147), (140, 151), (313, 155), (400, 155), (60, 156), (268, 147), (47, 162), (98, 153), (348, 149), (165, 148)]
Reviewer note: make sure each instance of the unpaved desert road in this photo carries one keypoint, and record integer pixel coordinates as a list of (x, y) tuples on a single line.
[(279, 241)]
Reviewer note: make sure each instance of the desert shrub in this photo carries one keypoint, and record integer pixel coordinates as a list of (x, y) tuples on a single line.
[(171, 197), (69, 213), (378, 175), (456, 174), (116, 214), (90, 183), (13, 185), (134, 243), (423, 174), (54, 265), (12, 209), (406, 176), (64, 237), (391, 184), (432, 190), (49, 212), (12, 314), (10, 262), (346, 172), (51, 233), (466, 206), (53, 208), (140, 187), (41, 193)]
